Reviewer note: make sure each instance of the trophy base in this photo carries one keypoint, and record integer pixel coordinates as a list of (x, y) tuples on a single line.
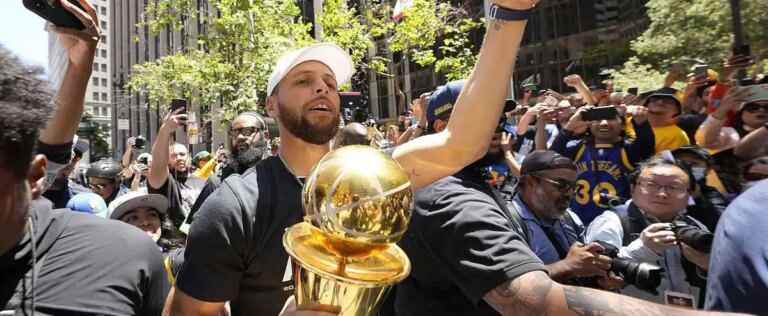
[(356, 285)]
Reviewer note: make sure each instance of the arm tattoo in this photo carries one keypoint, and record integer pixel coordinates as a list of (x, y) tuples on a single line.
[(589, 302), (525, 295)]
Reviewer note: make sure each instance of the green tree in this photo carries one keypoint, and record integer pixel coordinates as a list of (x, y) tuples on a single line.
[(96, 134), (699, 29)]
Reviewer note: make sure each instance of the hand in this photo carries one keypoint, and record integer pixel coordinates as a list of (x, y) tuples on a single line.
[(630, 99), (733, 64), (573, 80), (658, 237), (698, 258), (676, 72), (516, 4), (611, 282), (290, 309), (507, 141), (576, 124), (80, 44), (173, 120), (554, 94), (586, 261), (694, 83), (639, 113), (130, 142), (546, 116), (731, 102)]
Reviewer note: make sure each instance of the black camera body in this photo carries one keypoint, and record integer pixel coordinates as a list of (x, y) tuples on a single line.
[(139, 142), (644, 276), (693, 236)]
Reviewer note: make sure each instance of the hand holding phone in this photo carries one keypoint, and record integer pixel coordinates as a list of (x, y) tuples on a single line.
[(600, 113), (54, 12), (177, 104)]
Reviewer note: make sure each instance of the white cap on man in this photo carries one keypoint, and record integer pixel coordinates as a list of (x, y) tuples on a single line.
[(333, 56)]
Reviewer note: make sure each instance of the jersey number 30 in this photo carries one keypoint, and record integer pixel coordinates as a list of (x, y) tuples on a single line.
[(585, 192)]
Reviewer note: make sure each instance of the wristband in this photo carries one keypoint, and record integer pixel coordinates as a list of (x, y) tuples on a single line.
[(500, 13)]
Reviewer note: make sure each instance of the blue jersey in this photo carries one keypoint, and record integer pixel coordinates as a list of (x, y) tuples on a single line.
[(602, 171)]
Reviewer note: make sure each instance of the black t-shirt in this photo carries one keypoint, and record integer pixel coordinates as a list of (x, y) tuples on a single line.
[(181, 196), (461, 245), (234, 249), (87, 266)]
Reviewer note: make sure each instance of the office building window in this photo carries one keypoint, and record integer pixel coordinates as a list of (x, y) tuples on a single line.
[(103, 67), (103, 82), (95, 66), (95, 81), (104, 96), (95, 96), (104, 53), (103, 11), (104, 39), (103, 25)]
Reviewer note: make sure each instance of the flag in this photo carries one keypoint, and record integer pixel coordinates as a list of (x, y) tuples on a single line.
[(400, 7)]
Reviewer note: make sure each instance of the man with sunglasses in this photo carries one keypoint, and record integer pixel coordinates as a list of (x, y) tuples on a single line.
[(248, 143), (104, 179), (554, 233)]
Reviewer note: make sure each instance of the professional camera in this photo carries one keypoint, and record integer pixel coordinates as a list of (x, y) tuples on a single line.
[(693, 236), (644, 276)]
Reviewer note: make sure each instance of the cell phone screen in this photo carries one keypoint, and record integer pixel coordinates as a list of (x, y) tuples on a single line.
[(179, 104)]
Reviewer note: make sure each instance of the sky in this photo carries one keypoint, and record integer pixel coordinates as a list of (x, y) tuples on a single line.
[(22, 32)]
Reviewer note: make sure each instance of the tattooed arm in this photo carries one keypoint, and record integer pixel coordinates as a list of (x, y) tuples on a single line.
[(534, 293)]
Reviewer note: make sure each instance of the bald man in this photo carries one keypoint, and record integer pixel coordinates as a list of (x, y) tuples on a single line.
[(352, 134)]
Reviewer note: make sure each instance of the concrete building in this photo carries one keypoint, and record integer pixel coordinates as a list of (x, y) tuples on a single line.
[(131, 45), (98, 97)]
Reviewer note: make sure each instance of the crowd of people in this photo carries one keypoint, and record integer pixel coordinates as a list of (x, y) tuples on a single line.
[(591, 202)]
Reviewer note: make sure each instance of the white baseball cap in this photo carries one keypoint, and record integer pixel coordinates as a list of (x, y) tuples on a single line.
[(135, 199), (333, 56)]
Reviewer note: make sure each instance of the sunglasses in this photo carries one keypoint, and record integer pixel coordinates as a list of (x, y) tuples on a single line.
[(245, 131), (564, 186), (755, 107)]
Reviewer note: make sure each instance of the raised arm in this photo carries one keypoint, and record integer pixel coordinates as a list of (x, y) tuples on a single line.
[(158, 171), (477, 109), (754, 144), (577, 83), (70, 98), (534, 293)]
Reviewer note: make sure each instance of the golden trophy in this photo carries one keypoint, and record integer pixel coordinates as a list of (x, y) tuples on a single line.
[(358, 204)]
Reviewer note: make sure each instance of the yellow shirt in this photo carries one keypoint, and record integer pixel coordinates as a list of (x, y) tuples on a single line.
[(669, 138)]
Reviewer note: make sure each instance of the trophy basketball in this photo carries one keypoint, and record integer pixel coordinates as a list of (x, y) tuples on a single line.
[(358, 204)]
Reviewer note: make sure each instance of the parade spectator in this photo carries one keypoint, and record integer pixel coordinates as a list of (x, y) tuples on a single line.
[(664, 107), (754, 171), (708, 203), (104, 179), (59, 262), (63, 187), (149, 212), (642, 230), (89, 203), (352, 134), (604, 157)]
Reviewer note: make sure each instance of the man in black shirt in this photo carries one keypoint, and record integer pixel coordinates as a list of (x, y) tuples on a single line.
[(169, 173), (248, 141), (59, 262)]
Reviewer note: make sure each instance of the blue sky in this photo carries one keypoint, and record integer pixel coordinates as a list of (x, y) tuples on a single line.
[(22, 32)]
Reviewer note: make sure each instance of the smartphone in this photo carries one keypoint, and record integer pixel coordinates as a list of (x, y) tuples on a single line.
[(600, 113), (700, 70), (52, 11), (743, 50), (179, 104), (633, 90)]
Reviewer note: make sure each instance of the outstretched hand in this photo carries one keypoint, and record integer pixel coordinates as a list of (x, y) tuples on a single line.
[(80, 44)]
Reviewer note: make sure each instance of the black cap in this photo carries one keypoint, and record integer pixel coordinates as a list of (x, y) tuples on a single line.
[(694, 150), (540, 160)]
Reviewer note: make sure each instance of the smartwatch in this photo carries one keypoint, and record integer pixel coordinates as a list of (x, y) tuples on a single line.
[(500, 13)]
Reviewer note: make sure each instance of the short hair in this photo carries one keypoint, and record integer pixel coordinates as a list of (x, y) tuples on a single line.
[(26, 105), (664, 162)]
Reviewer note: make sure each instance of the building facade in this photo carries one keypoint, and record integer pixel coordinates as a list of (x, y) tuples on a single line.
[(578, 37), (98, 96)]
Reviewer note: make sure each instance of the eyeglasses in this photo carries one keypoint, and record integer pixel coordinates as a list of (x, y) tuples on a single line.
[(245, 131), (564, 186), (97, 186), (751, 108), (654, 188)]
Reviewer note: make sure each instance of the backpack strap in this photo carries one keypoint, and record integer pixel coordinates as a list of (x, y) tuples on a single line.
[(632, 222)]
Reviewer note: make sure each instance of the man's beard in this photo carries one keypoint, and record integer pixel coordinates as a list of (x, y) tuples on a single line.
[(243, 159), (302, 128)]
